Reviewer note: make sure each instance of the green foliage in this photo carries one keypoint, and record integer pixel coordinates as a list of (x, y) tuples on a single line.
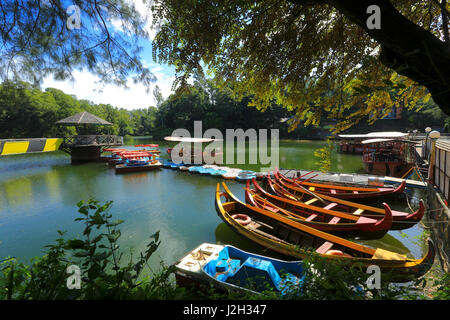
[(324, 156), (442, 285), (314, 58), (103, 273)]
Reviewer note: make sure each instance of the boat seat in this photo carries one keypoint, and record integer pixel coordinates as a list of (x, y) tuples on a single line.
[(311, 217), (311, 201), (334, 220), (358, 212), (226, 268), (325, 247), (331, 206)]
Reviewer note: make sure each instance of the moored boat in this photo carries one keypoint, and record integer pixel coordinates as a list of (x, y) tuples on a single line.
[(328, 219), (401, 220), (231, 269), (294, 239), (124, 168), (344, 192)]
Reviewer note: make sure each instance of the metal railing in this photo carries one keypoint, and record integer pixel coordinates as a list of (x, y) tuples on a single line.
[(92, 140)]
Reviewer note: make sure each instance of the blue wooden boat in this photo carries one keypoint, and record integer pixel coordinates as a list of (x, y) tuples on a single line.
[(245, 175), (231, 269)]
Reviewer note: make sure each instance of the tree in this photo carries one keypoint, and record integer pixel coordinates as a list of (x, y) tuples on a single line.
[(315, 57), (54, 37)]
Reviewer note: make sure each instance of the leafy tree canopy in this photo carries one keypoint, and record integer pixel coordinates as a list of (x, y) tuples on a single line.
[(314, 57), (55, 37)]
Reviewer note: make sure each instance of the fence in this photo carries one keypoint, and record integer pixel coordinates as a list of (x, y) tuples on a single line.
[(92, 140), (441, 174)]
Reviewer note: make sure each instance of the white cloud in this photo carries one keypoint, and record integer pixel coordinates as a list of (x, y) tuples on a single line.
[(86, 86), (145, 11)]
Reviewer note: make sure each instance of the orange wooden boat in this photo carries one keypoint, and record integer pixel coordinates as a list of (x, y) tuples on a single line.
[(294, 239), (343, 192), (322, 218), (401, 220)]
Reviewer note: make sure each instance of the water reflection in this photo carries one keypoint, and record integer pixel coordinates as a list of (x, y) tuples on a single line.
[(38, 196)]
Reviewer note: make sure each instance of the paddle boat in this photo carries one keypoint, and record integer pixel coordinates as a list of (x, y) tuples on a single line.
[(228, 268)]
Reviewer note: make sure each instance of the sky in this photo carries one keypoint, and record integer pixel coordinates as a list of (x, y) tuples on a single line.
[(85, 84)]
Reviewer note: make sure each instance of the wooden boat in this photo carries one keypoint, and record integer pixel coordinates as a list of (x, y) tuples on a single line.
[(230, 269), (344, 192), (401, 220), (294, 239), (329, 219), (124, 168)]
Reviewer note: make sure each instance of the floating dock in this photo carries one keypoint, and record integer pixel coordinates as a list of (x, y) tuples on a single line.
[(352, 178), (333, 178)]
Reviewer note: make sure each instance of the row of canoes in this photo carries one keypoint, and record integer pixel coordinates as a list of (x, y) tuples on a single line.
[(294, 218), (293, 227)]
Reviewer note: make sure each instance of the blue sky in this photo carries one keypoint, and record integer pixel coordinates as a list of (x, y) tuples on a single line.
[(86, 85)]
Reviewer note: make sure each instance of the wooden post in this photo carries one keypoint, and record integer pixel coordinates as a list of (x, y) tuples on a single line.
[(432, 161)]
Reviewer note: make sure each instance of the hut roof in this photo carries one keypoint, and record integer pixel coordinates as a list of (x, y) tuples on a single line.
[(84, 118)]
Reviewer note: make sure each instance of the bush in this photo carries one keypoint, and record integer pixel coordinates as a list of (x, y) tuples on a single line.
[(98, 257)]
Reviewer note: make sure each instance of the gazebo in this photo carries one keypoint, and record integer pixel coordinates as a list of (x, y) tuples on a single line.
[(87, 147)]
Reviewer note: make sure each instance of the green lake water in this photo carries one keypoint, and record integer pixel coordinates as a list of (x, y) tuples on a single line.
[(39, 192)]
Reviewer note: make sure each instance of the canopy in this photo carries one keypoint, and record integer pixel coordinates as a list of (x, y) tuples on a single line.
[(192, 140), (375, 140), (383, 140), (84, 118), (387, 134)]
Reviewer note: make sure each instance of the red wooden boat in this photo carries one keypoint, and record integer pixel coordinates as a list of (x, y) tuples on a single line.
[(344, 192), (401, 220), (327, 219)]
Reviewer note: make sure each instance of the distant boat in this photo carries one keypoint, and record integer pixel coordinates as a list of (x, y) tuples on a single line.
[(124, 168), (231, 269), (388, 157)]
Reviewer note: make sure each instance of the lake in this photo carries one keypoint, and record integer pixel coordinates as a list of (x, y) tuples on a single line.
[(39, 193)]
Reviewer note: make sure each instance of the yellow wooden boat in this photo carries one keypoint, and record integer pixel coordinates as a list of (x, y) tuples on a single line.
[(296, 240)]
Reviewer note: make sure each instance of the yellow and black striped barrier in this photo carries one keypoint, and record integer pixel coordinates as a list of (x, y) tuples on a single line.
[(18, 146)]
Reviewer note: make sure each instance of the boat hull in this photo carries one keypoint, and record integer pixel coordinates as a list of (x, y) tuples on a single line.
[(121, 168)]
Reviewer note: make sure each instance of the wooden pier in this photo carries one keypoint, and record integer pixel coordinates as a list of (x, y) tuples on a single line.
[(346, 178)]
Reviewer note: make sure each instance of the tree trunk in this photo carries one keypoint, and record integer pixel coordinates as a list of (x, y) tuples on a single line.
[(406, 47)]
